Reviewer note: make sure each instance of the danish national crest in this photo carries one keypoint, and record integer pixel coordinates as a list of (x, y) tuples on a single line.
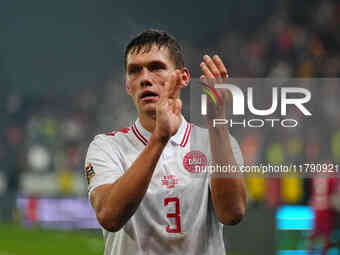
[(193, 160)]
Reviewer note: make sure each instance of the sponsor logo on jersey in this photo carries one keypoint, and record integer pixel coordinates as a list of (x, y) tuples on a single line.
[(194, 160), (89, 172), (169, 181)]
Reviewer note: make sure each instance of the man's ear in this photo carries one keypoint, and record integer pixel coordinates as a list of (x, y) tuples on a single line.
[(185, 77), (127, 88)]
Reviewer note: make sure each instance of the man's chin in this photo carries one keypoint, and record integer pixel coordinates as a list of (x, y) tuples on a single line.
[(149, 108)]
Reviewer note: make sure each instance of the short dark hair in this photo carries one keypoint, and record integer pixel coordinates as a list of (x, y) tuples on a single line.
[(145, 40)]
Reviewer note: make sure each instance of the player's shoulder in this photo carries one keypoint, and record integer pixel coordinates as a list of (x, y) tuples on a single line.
[(119, 134), (114, 137), (197, 131), (199, 136)]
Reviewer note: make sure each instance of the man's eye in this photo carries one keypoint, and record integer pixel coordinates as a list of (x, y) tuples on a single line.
[(134, 69), (156, 67)]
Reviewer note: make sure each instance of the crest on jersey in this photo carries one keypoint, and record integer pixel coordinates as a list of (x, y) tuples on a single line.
[(89, 172), (169, 181), (194, 161)]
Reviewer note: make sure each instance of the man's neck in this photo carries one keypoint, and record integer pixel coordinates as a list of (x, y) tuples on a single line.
[(148, 121)]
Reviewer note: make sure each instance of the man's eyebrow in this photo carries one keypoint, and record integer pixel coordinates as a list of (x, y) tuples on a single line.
[(153, 62), (157, 62)]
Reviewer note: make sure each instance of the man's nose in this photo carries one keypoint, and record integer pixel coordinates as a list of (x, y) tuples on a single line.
[(145, 78)]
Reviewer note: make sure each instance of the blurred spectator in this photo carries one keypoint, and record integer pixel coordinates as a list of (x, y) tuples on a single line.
[(12, 165), (323, 190)]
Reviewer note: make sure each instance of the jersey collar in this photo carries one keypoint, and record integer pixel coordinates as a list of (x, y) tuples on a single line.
[(180, 138)]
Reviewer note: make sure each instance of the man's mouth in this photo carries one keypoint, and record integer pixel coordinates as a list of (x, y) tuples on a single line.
[(148, 95)]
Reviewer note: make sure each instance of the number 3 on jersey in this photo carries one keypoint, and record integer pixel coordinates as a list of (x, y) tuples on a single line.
[(176, 215)]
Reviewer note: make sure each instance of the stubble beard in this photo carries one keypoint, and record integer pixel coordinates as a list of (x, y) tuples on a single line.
[(151, 113)]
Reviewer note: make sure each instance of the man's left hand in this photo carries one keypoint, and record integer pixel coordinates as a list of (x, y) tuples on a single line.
[(215, 72)]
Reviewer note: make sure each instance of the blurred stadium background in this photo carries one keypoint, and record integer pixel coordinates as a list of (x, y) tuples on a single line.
[(61, 74)]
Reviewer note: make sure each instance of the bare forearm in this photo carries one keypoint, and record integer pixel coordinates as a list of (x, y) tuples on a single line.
[(121, 199), (228, 194)]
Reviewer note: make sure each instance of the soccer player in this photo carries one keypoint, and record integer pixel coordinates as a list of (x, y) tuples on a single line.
[(324, 189), (143, 183)]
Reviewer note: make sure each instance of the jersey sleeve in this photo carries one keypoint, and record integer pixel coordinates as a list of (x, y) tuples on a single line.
[(102, 164)]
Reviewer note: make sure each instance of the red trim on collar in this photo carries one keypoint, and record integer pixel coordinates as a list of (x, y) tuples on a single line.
[(141, 138), (138, 135), (186, 135)]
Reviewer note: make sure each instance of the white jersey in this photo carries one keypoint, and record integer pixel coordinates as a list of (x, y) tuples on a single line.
[(176, 215)]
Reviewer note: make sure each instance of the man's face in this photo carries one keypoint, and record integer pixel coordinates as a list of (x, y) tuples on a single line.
[(146, 74)]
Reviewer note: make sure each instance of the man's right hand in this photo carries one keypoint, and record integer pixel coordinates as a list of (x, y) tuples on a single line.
[(168, 109)]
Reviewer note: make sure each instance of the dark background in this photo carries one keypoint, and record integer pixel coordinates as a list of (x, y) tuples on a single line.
[(61, 81)]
